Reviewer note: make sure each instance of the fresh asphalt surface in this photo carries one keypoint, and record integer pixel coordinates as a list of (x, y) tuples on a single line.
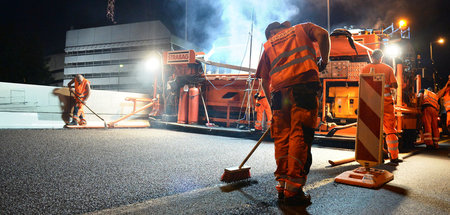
[(153, 171)]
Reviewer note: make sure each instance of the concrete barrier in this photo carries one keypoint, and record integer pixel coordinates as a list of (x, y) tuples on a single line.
[(36, 106)]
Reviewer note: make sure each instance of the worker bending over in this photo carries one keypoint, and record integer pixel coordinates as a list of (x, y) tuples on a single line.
[(81, 93), (290, 75), (429, 102), (378, 67)]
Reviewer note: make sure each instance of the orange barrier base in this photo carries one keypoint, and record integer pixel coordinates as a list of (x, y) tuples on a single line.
[(373, 178), (82, 126)]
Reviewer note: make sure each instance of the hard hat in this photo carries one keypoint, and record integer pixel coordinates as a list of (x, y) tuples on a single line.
[(275, 25)]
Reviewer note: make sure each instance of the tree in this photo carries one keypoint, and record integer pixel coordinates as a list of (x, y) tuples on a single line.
[(21, 58)]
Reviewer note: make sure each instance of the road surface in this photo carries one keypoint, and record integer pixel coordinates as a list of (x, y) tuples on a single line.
[(154, 171)]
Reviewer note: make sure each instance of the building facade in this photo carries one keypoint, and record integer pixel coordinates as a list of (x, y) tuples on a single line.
[(55, 65), (113, 57)]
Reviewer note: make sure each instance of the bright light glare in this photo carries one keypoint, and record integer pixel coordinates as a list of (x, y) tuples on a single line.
[(152, 63), (402, 23), (441, 41), (392, 51)]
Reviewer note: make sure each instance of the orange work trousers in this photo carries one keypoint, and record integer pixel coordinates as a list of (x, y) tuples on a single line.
[(448, 119), (389, 128), (430, 123), (262, 106), (447, 108), (293, 133)]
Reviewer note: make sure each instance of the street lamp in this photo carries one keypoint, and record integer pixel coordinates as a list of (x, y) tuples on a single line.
[(439, 41)]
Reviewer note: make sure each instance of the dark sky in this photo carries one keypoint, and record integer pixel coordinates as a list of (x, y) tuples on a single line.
[(50, 19)]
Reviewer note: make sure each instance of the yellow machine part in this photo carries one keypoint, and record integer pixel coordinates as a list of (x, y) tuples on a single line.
[(345, 102)]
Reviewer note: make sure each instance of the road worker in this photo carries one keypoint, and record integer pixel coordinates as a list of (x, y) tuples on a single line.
[(81, 93), (290, 75), (378, 67), (429, 102), (262, 107)]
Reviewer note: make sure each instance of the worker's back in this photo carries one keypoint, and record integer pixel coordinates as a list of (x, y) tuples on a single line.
[(381, 68)]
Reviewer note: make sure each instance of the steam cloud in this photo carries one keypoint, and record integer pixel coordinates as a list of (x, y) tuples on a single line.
[(226, 34), (223, 27)]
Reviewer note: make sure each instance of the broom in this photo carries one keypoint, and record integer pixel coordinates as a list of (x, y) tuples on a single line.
[(241, 172), (104, 122)]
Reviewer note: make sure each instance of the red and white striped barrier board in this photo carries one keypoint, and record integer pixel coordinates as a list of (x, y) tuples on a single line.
[(369, 133)]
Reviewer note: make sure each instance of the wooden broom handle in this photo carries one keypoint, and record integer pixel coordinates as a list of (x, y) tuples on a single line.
[(254, 148)]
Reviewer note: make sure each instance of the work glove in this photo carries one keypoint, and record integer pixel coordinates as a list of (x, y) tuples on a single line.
[(322, 65), (256, 95)]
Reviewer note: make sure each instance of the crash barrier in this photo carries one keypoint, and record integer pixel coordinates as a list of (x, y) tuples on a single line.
[(369, 135), (36, 106)]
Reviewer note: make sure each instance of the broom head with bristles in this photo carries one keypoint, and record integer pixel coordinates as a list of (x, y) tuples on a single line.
[(233, 174)]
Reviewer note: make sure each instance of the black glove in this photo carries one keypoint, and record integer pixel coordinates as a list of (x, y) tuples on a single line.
[(256, 95), (322, 65)]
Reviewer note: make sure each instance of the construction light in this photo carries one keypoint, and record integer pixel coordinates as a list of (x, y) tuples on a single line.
[(392, 51), (152, 63), (402, 24), (441, 40)]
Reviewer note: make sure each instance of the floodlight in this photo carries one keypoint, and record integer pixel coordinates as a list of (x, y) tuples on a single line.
[(392, 50), (402, 24), (152, 62)]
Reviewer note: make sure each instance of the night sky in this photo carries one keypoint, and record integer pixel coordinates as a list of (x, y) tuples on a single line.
[(49, 20)]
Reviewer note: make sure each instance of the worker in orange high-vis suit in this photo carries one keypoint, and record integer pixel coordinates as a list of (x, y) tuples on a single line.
[(447, 105), (290, 75), (81, 93), (262, 106), (377, 67), (430, 112)]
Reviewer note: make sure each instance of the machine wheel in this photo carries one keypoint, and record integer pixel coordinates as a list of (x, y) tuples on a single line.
[(406, 140)]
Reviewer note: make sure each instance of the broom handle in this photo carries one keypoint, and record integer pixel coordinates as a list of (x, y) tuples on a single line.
[(87, 106), (204, 104), (254, 148)]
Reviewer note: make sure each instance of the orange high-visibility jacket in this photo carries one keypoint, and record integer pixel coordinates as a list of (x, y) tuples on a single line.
[(389, 77), (80, 89), (447, 99), (291, 53), (431, 98)]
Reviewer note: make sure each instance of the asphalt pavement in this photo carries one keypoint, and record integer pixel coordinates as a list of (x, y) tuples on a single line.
[(155, 171)]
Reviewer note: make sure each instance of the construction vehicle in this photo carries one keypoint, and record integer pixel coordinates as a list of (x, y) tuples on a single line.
[(200, 94)]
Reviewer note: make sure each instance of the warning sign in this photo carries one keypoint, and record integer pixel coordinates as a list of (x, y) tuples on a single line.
[(369, 135), (369, 142)]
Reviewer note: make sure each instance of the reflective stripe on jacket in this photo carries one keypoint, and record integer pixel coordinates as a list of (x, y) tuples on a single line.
[(80, 88), (431, 98), (291, 53)]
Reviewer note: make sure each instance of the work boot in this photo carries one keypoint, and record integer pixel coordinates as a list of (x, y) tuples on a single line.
[(74, 122), (429, 147), (300, 198), (83, 122), (396, 160), (436, 146)]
